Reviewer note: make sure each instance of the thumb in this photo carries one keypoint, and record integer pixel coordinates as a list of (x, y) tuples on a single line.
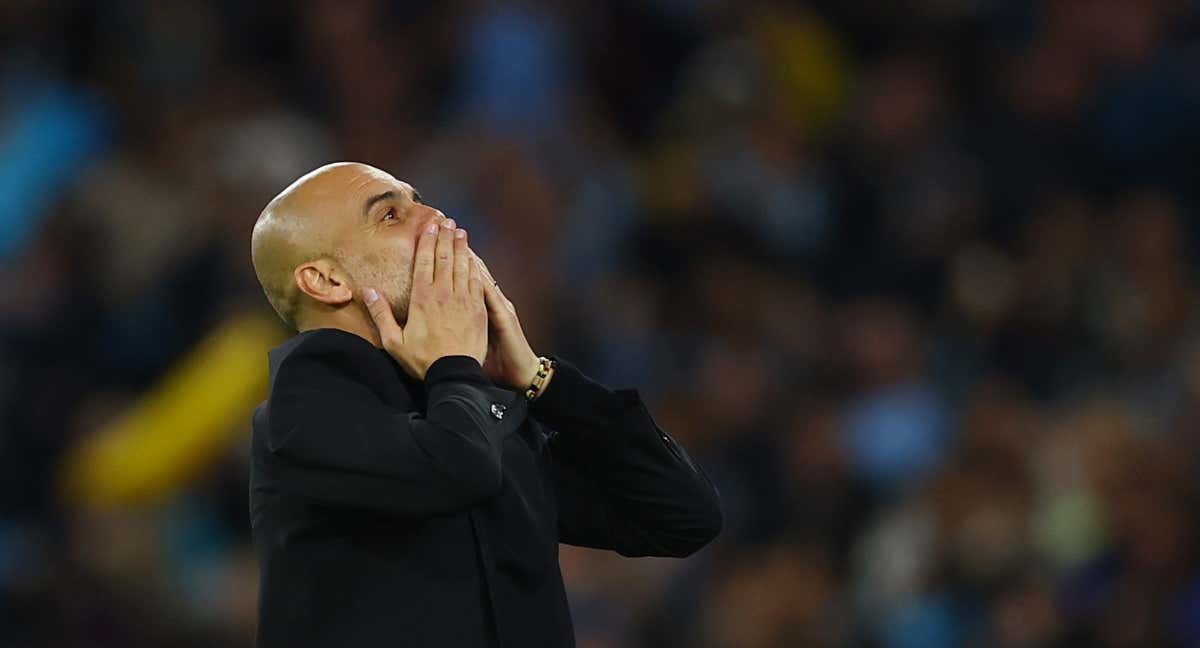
[(381, 314)]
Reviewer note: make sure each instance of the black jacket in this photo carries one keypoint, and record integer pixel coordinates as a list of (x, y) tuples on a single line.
[(393, 512)]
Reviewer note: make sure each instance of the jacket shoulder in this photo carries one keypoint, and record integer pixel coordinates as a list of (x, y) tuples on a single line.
[(317, 376), (328, 352), (327, 365)]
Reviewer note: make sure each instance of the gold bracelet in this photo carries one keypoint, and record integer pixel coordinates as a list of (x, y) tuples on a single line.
[(545, 366)]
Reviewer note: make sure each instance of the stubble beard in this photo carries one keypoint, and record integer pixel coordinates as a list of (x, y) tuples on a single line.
[(393, 282)]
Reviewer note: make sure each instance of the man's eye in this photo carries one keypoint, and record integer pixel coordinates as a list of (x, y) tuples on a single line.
[(390, 214)]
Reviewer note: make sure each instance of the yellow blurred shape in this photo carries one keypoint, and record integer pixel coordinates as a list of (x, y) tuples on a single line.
[(807, 63), (182, 424)]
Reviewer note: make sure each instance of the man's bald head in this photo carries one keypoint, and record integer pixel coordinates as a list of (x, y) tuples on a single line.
[(336, 228)]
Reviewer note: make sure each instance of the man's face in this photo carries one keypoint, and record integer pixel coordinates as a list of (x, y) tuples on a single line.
[(377, 244)]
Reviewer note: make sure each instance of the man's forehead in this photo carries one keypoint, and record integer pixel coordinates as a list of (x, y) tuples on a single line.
[(371, 179), (340, 192), (339, 181), (374, 188)]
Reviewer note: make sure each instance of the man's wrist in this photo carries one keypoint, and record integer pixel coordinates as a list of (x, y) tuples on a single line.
[(540, 377), (528, 372), (545, 384)]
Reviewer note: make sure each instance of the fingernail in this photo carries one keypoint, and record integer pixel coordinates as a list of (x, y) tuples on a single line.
[(432, 229), (448, 223), (370, 296), (462, 233)]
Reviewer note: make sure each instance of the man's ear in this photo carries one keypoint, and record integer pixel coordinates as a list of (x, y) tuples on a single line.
[(324, 281)]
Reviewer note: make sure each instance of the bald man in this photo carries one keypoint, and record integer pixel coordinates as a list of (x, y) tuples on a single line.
[(416, 463)]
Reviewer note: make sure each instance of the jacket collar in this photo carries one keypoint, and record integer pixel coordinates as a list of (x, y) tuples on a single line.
[(354, 354)]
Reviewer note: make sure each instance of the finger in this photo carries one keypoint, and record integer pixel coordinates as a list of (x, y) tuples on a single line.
[(496, 301), (462, 262), (443, 264), (487, 274), (476, 280), (503, 298), (381, 315), (423, 263), (499, 308)]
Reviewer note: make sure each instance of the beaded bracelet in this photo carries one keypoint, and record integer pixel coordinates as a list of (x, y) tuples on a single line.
[(545, 366)]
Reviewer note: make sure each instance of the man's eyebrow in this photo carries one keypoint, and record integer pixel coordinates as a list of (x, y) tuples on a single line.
[(416, 195), (387, 195)]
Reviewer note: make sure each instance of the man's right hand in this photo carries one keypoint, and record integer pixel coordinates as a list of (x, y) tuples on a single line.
[(447, 315)]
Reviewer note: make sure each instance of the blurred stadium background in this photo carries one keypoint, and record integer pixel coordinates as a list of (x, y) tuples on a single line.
[(916, 281)]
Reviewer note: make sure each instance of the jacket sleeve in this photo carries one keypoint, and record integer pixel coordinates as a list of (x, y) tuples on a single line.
[(335, 442), (621, 482)]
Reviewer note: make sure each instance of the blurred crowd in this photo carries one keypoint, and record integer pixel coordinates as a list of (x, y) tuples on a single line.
[(914, 281)]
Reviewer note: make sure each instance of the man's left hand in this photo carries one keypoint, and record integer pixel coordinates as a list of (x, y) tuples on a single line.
[(510, 361)]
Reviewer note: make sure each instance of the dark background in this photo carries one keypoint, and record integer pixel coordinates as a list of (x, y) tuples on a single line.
[(915, 282)]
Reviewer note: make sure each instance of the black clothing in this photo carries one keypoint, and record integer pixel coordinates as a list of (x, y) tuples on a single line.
[(388, 511)]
